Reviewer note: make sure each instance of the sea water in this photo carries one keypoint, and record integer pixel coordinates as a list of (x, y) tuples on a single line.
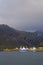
[(21, 58)]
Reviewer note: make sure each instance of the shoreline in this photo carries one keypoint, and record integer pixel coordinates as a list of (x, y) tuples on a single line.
[(40, 49), (30, 49)]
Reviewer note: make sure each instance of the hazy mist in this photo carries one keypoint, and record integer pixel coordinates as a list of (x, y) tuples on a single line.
[(22, 14)]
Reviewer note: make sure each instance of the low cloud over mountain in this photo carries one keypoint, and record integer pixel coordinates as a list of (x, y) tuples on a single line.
[(22, 14)]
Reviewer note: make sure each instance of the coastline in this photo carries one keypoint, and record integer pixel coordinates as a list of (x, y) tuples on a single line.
[(39, 49)]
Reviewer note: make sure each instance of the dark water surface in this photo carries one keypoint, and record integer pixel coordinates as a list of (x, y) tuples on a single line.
[(21, 58)]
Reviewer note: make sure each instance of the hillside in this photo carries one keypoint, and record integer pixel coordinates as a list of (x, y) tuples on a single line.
[(11, 38)]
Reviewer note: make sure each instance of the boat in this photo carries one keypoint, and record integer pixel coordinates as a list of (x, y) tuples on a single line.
[(23, 49), (34, 49)]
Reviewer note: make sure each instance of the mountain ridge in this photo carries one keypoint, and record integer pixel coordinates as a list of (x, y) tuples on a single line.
[(10, 37)]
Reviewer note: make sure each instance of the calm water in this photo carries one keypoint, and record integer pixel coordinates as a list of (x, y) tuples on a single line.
[(21, 58)]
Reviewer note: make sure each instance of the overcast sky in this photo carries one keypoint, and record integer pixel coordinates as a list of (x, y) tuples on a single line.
[(22, 14)]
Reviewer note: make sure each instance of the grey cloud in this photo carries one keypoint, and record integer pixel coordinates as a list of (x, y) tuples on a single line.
[(22, 14)]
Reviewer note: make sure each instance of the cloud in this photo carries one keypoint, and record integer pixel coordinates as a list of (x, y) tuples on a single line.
[(22, 14)]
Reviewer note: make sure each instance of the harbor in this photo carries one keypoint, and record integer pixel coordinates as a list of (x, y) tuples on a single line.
[(39, 49)]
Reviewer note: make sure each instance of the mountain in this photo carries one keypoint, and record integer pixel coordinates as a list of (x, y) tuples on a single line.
[(10, 38)]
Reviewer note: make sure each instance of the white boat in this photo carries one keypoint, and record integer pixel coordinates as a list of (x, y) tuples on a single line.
[(23, 49), (34, 49)]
